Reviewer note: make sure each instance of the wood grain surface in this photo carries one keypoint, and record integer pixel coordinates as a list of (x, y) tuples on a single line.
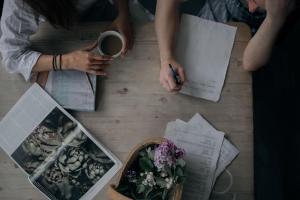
[(132, 106)]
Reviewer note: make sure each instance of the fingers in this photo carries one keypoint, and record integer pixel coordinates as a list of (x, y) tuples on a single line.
[(100, 58), (128, 39), (181, 73), (98, 67), (101, 62), (172, 84), (128, 44), (97, 72), (165, 85)]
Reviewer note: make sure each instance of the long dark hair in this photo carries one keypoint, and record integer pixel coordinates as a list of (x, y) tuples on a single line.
[(59, 13)]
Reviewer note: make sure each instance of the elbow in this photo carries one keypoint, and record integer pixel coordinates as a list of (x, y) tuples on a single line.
[(249, 64), (249, 67)]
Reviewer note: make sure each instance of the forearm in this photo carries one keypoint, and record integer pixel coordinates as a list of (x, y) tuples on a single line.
[(166, 23), (123, 7), (45, 63), (259, 49)]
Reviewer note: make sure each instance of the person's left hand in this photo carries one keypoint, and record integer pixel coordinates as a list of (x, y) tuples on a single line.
[(123, 25)]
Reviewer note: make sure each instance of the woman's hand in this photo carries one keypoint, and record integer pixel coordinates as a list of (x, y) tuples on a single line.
[(123, 25), (166, 75), (86, 61)]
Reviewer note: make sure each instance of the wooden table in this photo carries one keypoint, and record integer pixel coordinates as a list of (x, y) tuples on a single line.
[(132, 106)]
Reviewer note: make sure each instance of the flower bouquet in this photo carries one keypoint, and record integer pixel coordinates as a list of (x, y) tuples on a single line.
[(155, 170)]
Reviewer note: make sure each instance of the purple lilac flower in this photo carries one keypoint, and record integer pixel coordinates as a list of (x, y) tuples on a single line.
[(167, 154)]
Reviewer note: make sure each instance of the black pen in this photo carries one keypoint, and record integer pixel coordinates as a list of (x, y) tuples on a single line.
[(175, 75)]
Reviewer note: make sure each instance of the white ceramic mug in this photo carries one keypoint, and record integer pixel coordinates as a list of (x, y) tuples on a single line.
[(105, 34)]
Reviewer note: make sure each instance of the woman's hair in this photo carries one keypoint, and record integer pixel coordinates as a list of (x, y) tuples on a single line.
[(59, 13)]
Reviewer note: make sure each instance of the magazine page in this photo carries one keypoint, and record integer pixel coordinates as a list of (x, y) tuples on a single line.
[(62, 159), (22, 120)]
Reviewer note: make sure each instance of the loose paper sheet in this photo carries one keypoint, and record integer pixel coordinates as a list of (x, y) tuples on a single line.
[(72, 89), (228, 151), (202, 153), (204, 48), (199, 136)]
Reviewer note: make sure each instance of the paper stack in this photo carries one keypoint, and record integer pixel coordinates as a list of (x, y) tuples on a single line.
[(208, 154)]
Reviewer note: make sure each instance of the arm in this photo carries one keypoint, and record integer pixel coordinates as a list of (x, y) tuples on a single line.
[(259, 49), (166, 24), (81, 60), (19, 58), (123, 25)]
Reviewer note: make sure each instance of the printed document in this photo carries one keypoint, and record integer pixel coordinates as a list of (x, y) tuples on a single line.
[(203, 49)]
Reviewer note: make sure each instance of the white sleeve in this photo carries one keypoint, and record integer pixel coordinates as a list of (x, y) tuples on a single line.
[(18, 23)]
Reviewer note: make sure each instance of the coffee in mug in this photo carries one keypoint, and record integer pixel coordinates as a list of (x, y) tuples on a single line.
[(110, 43)]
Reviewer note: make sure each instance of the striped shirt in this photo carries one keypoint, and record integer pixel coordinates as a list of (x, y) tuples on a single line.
[(231, 10)]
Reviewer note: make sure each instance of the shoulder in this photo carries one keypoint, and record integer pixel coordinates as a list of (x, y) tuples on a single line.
[(18, 9), (18, 18)]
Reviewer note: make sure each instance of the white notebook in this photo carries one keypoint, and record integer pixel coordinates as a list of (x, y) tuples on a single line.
[(73, 90), (59, 156), (203, 48)]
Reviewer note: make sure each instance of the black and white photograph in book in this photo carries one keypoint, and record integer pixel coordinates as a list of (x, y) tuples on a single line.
[(64, 163), (74, 172), (44, 140)]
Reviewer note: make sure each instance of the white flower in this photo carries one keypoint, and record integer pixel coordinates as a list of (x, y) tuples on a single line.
[(163, 174), (169, 182), (149, 179)]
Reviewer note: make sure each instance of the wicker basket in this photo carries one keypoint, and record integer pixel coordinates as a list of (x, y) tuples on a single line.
[(113, 194)]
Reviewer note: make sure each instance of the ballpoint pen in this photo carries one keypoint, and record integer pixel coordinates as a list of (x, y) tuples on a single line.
[(175, 75)]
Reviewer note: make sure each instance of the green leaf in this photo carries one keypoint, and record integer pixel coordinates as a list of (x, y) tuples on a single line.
[(123, 188), (181, 162), (155, 195), (169, 172), (151, 155), (165, 194), (140, 189), (160, 182), (179, 172), (146, 164), (147, 192), (181, 179), (143, 153)]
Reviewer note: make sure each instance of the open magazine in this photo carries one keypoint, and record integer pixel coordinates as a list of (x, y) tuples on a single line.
[(56, 152)]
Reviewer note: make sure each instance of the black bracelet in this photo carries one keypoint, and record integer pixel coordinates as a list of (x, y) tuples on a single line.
[(60, 59), (54, 63)]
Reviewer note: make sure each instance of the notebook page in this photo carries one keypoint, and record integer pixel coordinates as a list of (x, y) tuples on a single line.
[(203, 49), (72, 89)]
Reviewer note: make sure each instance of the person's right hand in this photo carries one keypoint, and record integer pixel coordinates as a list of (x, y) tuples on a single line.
[(87, 61), (166, 76)]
